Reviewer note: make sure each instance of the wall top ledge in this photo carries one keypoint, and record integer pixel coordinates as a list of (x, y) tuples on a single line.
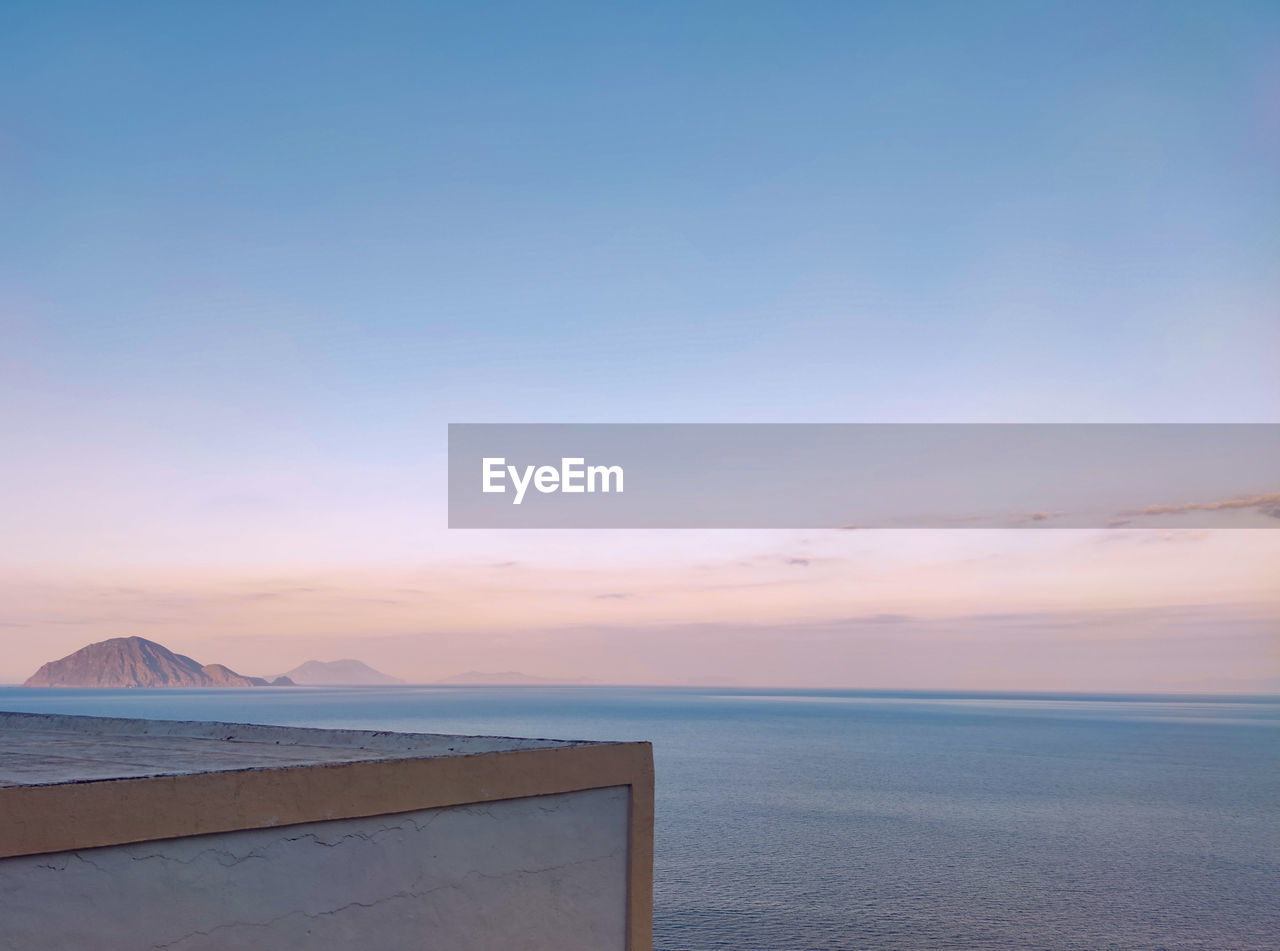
[(49, 749), (72, 782)]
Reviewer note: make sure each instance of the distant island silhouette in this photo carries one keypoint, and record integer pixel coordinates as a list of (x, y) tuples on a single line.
[(138, 662), (507, 678), (339, 673)]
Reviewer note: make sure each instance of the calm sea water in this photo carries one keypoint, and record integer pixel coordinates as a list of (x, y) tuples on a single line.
[(848, 820)]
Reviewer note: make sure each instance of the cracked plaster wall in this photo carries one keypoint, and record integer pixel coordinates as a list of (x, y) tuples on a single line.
[(546, 873)]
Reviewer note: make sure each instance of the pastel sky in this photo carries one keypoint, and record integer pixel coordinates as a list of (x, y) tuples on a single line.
[(253, 258)]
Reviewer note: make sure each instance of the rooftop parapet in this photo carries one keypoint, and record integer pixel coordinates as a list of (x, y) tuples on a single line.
[(477, 840)]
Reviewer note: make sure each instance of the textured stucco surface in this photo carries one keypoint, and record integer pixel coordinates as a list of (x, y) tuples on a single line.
[(542, 873), (46, 749)]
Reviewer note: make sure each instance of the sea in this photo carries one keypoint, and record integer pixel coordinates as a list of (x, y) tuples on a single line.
[(790, 820)]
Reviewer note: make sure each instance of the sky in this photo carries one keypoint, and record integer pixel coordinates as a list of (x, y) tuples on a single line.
[(254, 258)]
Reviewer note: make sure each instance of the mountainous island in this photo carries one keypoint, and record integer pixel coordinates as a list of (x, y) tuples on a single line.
[(138, 662), (339, 673)]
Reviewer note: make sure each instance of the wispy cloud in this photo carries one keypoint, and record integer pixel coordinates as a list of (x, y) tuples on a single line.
[(872, 619), (1040, 516), (1268, 504), (1147, 536)]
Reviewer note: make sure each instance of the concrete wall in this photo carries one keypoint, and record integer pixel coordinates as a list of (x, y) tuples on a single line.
[(542, 873)]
